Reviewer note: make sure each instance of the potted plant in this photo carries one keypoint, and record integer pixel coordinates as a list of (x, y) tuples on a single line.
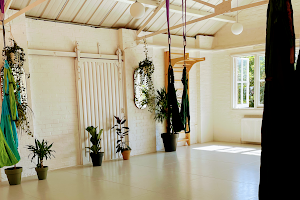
[(160, 109), (122, 131), (95, 154), (41, 150), (14, 175)]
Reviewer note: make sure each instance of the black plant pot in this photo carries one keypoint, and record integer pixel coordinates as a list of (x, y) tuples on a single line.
[(170, 141), (97, 158)]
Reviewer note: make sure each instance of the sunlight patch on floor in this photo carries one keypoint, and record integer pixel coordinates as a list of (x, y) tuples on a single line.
[(229, 149)]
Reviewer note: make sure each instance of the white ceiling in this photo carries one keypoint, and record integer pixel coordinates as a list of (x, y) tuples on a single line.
[(116, 14)]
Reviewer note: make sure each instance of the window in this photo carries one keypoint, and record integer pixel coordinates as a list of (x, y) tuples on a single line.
[(249, 81)]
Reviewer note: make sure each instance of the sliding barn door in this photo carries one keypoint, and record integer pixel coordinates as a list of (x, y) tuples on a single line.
[(100, 98)]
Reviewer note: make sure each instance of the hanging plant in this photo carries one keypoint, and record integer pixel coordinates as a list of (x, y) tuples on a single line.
[(145, 70), (15, 57)]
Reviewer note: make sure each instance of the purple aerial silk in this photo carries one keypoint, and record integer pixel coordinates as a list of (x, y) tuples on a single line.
[(2, 9)]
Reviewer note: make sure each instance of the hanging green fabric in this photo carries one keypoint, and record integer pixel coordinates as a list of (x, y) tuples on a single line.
[(7, 157), (8, 126), (185, 105)]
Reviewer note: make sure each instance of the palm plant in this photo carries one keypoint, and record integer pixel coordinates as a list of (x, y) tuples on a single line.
[(40, 150), (95, 139)]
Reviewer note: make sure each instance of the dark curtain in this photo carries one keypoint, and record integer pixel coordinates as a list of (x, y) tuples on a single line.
[(279, 131)]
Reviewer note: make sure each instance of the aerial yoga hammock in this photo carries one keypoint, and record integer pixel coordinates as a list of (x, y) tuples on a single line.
[(185, 108), (9, 154), (280, 122), (172, 99)]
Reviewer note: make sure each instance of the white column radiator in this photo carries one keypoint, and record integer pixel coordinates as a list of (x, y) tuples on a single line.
[(100, 98), (251, 130)]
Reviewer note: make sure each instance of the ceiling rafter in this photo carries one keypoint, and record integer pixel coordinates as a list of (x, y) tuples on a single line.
[(155, 21), (145, 18), (120, 16), (178, 9), (128, 22), (108, 13), (61, 10), (220, 9), (24, 10), (156, 10), (166, 22), (79, 10), (45, 8), (7, 5), (94, 12)]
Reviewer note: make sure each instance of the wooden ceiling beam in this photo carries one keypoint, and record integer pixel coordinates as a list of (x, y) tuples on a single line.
[(79, 10), (120, 16), (45, 8), (7, 5), (61, 11), (178, 9), (94, 12), (108, 13), (220, 9), (151, 17), (27, 8), (205, 3)]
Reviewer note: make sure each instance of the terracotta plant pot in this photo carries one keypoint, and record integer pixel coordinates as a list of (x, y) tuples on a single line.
[(42, 172), (126, 154), (14, 175), (97, 158)]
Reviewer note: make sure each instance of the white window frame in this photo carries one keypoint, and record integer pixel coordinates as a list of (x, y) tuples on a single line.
[(242, 82), (257, 81)]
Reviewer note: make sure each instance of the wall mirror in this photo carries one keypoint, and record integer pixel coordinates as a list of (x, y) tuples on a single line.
[(140, 85)]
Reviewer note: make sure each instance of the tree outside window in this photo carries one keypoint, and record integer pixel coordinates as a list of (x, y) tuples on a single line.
[(249, 81)]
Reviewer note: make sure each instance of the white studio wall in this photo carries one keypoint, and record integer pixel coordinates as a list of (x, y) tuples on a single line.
[(52, 87)]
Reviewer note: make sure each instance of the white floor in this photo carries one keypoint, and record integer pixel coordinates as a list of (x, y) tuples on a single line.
[(210, 171)]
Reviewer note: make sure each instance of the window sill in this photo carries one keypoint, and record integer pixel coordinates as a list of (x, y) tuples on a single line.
[(247, 108)]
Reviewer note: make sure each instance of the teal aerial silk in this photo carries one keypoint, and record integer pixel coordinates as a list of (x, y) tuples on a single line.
[(8, 133), (185, 106)]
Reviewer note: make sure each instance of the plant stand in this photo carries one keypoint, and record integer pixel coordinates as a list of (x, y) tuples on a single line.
[(14, 175)]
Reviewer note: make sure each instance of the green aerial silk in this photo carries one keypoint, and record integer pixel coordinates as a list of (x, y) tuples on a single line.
[(7, 157), (8, 134), (185, 106)]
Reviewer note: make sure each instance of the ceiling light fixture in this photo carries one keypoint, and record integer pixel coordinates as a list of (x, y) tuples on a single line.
[(137, 10), (237, 28)]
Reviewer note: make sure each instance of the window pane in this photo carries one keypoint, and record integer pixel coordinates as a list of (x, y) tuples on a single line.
[(239, 93), (251, 96), (251, 80), (239, 69), (262, 92), (245, 93), (262, 67), (244, 70)]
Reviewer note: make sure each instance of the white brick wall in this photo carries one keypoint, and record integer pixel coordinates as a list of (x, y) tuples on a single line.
[(142, 137), (226, 121)]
